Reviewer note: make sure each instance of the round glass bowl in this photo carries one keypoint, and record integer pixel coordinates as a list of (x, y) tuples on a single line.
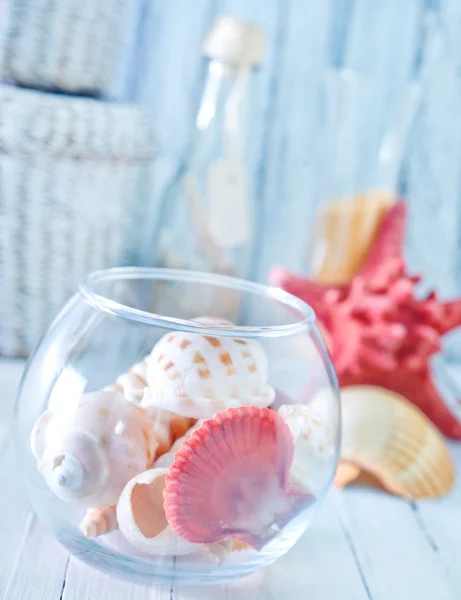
[(179, 426)]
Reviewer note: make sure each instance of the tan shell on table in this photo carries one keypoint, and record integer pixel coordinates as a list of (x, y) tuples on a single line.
[(346, 473), (199, 375), (393, 440), (87, 450)]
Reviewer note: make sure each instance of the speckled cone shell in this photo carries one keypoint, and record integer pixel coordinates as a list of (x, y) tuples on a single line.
[(88, 450), (393, 440), (200, 375), (314, 447)]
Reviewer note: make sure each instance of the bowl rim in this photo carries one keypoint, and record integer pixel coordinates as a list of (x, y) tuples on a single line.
[(114, 307)]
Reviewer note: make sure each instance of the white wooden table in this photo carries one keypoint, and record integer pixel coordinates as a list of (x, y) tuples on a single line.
[(362, 545)]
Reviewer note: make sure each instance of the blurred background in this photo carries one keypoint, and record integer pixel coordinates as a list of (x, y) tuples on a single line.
[(131, 132)]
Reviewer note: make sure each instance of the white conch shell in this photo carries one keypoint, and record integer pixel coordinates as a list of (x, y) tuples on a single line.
[(88, 450), (99, 521), (142, 519), (392, 439), (314, 450), (199, 375)]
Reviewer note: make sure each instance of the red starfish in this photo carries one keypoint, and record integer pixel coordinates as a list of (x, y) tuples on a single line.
[(379, 332)]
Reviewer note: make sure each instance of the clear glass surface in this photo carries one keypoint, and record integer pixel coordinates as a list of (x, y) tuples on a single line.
[(360, 160), (185, 238), (256, 399)]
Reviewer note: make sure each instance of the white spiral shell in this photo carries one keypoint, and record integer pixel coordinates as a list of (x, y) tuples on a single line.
[(88, 450), (199, 375)]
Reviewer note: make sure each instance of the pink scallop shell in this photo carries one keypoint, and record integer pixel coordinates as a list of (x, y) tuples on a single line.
[(230, 479)]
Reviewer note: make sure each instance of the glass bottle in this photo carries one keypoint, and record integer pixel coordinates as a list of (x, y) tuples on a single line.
[(359, 175), (205, 218)]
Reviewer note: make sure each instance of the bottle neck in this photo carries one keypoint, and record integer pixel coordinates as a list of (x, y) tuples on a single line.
[(223, 96)]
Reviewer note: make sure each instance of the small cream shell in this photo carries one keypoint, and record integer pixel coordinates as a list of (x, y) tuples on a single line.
[(200, 375), (130, 514), (393, 440), (99, 521), (314, 450)]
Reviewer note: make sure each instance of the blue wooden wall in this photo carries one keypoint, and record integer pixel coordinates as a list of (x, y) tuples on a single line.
[(386, 41)]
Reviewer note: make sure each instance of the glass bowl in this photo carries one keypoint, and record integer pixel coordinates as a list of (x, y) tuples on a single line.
[(178, 426)]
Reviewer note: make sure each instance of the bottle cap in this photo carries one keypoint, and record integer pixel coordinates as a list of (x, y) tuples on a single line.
[(235, 41)]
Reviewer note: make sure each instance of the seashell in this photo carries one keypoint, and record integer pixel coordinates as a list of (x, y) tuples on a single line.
[(88, 450), (99, 521), (133, 382), (314, 450), (141, 516), (199, 375), (346, 473), (167, 459), (230, 479), (221, 550), (393, 440), (102, 520), (167, 426), (238, 546)]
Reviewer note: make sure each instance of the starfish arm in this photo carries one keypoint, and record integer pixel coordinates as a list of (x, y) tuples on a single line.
[(451, 315), (309, 291), (431, 403), (388, 244)]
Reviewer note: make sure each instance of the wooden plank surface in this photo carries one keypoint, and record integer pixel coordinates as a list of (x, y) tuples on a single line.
[(362, 545)]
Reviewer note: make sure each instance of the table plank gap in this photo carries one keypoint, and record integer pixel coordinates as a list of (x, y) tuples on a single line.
[(40, 568), (16, 514), (391, 548), (83, 581), (440, 522), (353, 550)]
